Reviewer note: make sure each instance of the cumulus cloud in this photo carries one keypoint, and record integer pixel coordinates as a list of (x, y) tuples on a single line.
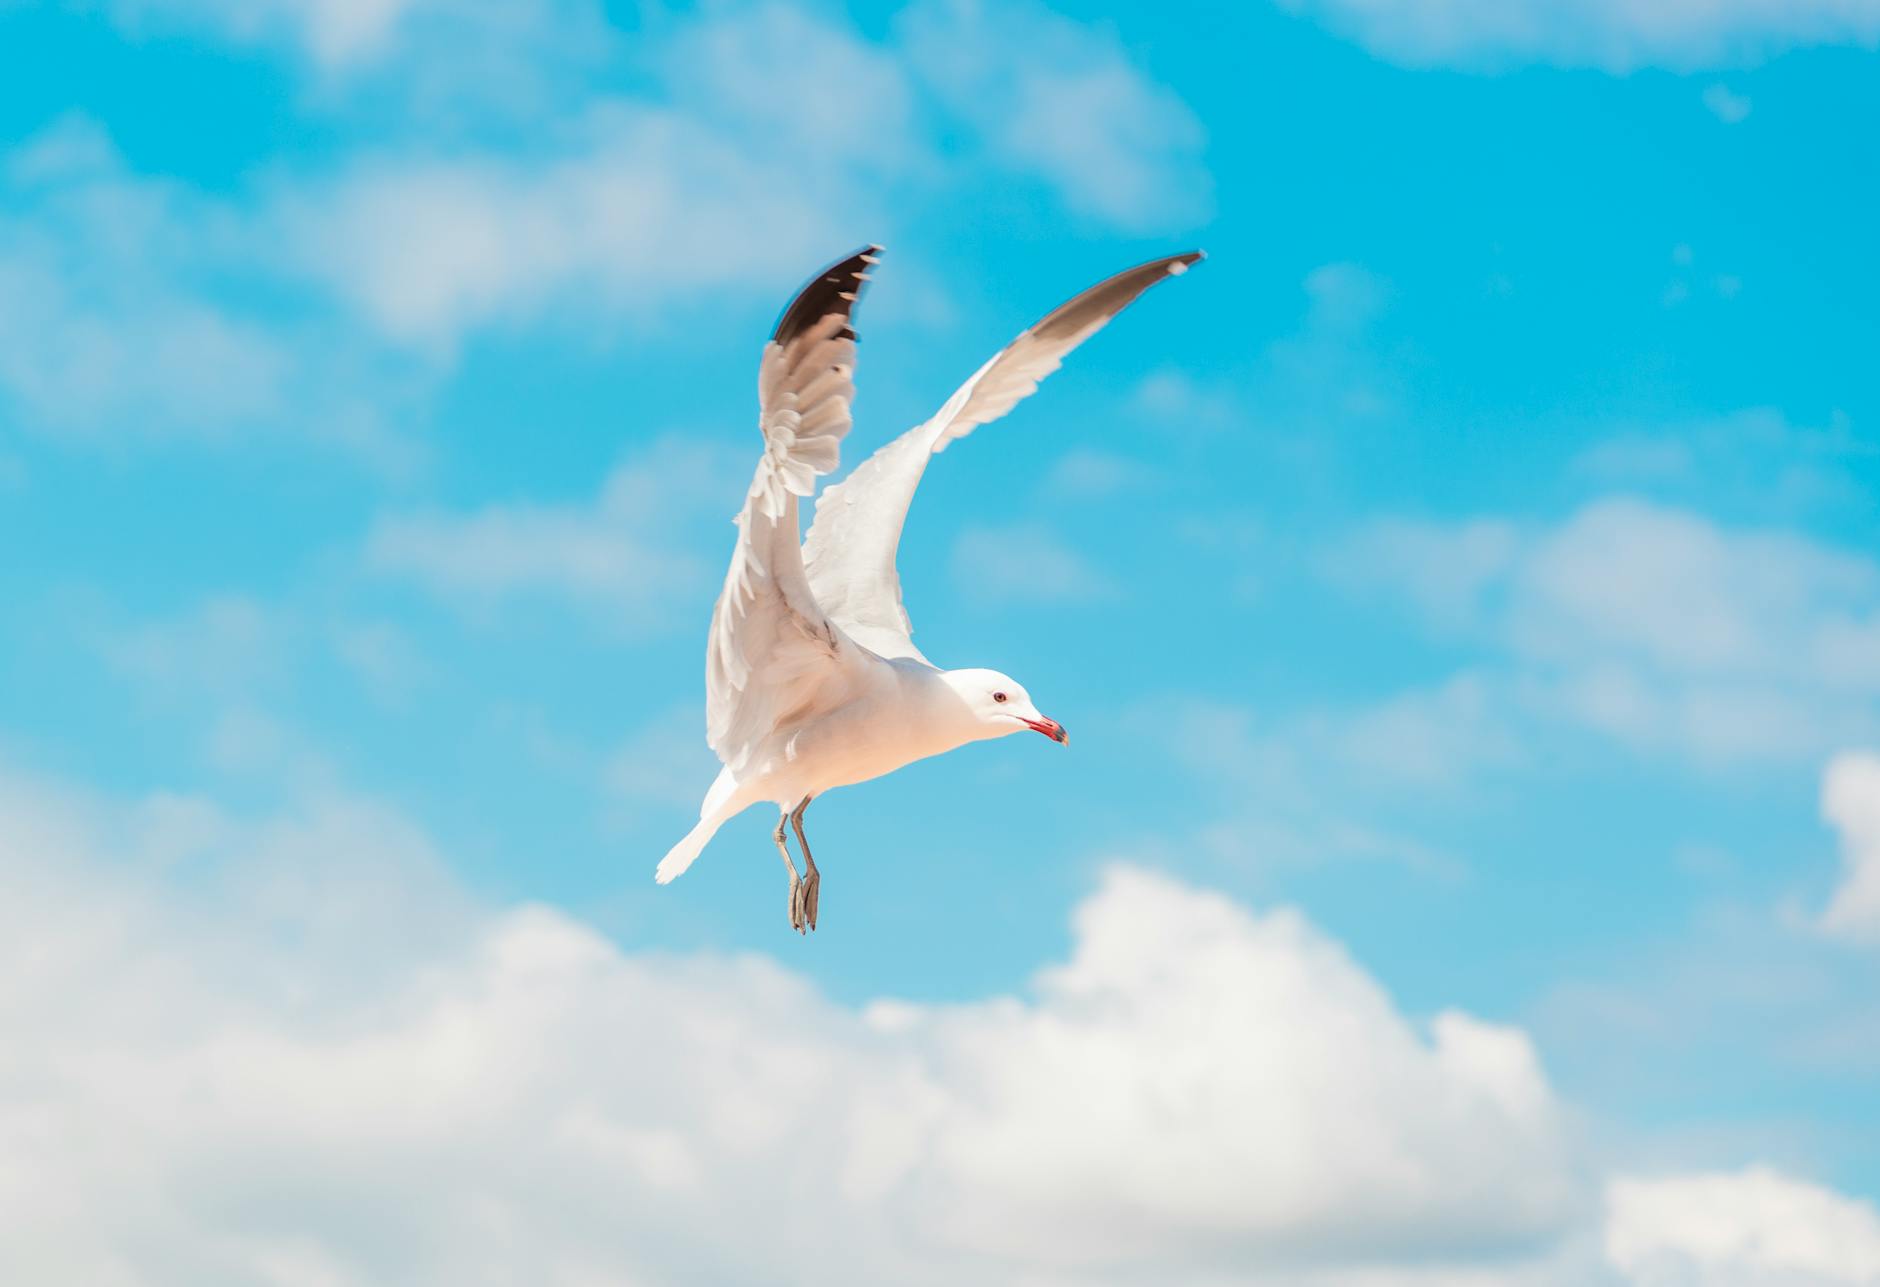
[(1616, 35), (1655, 625), (1751, 1228), (1850, 801), (288, 1050)]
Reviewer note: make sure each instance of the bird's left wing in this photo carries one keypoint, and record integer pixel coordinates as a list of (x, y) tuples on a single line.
[(774, 654), (850, 550)]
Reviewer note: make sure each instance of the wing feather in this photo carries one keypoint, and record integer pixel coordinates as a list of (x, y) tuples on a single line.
[(774, 654), (850, 551)]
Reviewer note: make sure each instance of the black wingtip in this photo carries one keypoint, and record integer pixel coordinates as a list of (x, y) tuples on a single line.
[(834, 290)]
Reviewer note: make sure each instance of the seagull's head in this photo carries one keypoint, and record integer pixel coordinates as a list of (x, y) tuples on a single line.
[(998, 704)]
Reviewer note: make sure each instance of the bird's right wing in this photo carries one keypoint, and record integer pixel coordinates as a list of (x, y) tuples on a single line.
[(850, 550), (774, 654)]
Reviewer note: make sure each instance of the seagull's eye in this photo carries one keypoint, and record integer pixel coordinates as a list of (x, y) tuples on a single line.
[(998, 697)]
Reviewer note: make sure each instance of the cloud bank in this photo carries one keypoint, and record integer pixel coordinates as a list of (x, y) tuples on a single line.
[(290, 1050)]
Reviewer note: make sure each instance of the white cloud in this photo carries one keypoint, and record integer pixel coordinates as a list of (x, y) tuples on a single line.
[(760, 141), (1024, 562), (1751, 1228), (1060, 99), (1086, 473), (333, 31), (456, 54), (1727, 106), (626, 554), (1316, 785), (1850, 801), (1178, 400), (94, 321), (313, 1060), (1446, 570), (1755, 460), (1328, 368), (116, 314), (708, 184), (226, 640), (1655, 625), (666, 761), (384, 657), (633, 209), (1617, 35)]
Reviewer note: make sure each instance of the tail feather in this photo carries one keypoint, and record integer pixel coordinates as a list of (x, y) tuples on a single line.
[(681, 855)]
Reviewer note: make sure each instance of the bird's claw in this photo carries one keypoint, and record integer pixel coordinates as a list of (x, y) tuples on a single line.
[(803, 899), (812, 888), (798, 920)]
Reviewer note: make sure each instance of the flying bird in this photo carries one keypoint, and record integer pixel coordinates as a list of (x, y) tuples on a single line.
[(812, 679)]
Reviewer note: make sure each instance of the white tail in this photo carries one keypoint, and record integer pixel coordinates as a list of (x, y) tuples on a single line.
[(681, 855), (720, 804)]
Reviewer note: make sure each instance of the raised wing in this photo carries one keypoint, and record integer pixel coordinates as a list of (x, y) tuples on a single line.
[(850, 550), (774, 654)]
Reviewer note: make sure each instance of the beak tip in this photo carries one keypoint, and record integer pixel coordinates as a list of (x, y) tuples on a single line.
[(1051, 729)]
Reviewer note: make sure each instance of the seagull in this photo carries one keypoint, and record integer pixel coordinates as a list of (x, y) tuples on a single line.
[(812, 679)]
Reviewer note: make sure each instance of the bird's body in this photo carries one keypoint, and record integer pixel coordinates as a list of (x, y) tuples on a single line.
[(812, 678)]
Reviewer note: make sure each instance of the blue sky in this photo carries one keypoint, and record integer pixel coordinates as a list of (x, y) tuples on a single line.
[(1461, 589)]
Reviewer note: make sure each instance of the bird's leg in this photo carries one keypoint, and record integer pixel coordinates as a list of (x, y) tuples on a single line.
[(795, 905), (812, 883)]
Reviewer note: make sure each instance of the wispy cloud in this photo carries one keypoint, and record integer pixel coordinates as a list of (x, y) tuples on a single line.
[(1756, 460), (638, 205), (1726, 105), (1026, 561), (1054, 97), (1655, 625), (624, 554), (445, 52), (120, 319), (331, 294), (1608, 34), (1086, 473), (665, 761)]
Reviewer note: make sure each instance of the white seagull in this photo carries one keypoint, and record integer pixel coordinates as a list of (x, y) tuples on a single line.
[(812, 679)]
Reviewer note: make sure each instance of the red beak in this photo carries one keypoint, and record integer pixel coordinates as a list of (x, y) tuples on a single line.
[(1051, 729)]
